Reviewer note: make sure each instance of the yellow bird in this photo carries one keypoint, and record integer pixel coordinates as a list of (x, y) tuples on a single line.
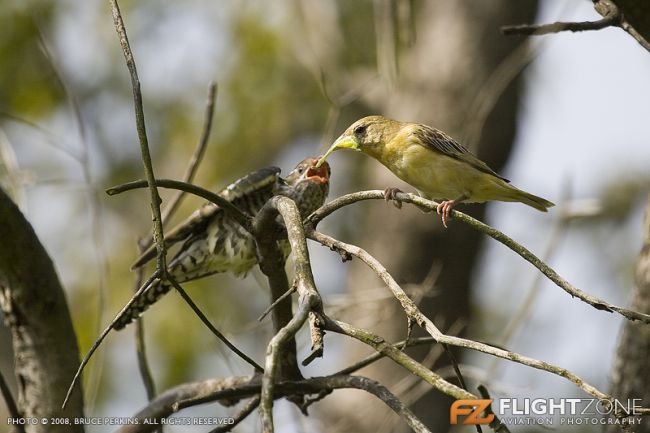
[(431, 161)]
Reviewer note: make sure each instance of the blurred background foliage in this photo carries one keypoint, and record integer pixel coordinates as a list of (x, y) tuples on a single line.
[(292, 75)]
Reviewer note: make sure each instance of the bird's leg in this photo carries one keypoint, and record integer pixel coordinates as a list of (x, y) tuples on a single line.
[(445, 207), (389, 195)]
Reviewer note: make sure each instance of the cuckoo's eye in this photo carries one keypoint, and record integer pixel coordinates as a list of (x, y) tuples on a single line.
[(301, 169), (360, 130)]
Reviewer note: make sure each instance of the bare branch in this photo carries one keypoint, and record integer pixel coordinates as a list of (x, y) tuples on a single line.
[(309, 299), (612, 15), (226, 390), (229, 208), (210, 326), (140, 348), (197, 156), (275, 303), (193, 394), (104, 334), (142, 136), (248, 408), (496, 424), (557, 27), (495, 234), (397, 355), (401, 345), (10, 402), (412, 310), (272, 263)]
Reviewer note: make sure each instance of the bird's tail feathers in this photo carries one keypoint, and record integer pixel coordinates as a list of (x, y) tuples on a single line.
[(515, 194), (154, 292)]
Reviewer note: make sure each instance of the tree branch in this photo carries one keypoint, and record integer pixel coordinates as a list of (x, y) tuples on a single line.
[(197, 156), (140, 346), (142, 137), (544, 29), (226, 390), (11, 404), (413, 311), (232, 210), (495, 234), (211, 327), (401, 358), (243, 413), (613, 16), (309, 300)]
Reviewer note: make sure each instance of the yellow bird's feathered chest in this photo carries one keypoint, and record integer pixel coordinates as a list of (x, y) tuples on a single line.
[(434, 174)]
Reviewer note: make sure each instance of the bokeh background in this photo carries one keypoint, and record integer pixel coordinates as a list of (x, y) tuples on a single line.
[(564, 116)]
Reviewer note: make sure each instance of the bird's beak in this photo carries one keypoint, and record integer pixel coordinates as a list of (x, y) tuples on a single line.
[(343, 142), (318, 174)]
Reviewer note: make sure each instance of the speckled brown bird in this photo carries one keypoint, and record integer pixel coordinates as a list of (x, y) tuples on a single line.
[(213, 242)]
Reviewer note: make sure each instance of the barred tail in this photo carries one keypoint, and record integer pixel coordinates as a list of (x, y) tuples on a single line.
[(138, 305)]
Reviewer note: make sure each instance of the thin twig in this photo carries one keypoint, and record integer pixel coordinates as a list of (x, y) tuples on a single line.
[(248, 408), (625, 25), (192, 394), (275, 303), (496, 423), (142, 137), (612, 17), (103, 335), (210, 326), (271, 365), (401, 345), (398, 356), (229, 208), (557, 27), (11, 404), (140, 347), (197, 156), (495, 234), (412, 310)]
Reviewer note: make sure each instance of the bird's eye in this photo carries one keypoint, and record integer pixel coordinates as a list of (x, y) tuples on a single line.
[(301, 169), (360, 130)]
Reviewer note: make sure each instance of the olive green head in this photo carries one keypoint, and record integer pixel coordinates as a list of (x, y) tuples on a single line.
[(364, 135)]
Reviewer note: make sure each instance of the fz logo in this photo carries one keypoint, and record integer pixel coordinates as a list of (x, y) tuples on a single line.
[(473, 409)]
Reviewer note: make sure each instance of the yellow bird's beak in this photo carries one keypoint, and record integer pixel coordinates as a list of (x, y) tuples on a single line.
[(343, 142)]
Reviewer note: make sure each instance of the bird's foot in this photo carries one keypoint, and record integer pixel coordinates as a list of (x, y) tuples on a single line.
[(390, 195), (444, 210)]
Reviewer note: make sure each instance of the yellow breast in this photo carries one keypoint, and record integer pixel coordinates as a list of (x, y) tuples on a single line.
[(434, 174)]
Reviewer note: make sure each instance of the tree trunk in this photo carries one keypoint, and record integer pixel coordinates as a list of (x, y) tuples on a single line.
[(631, 372), (458, 48), (44, 343)]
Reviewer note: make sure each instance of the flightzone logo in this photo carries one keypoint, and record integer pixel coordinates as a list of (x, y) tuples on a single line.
[(546, 411)]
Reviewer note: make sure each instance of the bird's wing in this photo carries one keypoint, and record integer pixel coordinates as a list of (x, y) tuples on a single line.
[(438, 141), (199, 219)]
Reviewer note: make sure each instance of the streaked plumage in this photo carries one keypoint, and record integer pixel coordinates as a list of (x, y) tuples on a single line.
[(213, 242), (431, 161)]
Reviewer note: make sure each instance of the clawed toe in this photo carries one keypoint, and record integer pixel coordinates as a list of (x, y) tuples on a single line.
[(390, 195), (444, 210)]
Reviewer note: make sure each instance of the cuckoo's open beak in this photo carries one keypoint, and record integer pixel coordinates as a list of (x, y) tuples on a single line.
[(319, 172)]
